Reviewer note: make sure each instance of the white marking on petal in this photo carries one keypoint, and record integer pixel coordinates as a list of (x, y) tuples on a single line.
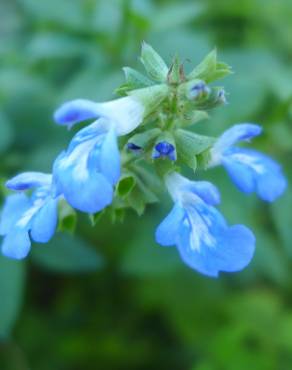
[(28, 215), (126, 114), (199, 226), (78, 159), (250, 161)]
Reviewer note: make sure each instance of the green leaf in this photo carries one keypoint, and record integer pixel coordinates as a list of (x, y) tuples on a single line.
[(209, 69), (12, 281), (67, 253), (153, 63)]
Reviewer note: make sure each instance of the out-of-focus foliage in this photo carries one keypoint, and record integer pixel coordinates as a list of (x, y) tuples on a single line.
[(110, 298)]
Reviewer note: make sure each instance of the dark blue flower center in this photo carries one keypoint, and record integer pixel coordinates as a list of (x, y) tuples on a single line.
[(164, 149)]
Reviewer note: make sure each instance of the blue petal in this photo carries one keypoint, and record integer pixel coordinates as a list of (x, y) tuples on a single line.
[(253, 171), (76, 111), (16, 244), (239, 132), (84, 188), (94, 131), (271, 183), (89, 196), (167, 232), (206, 191), (233, 251), (110, 163), (29, 180), (241, 175), (45, 222), (15, 205)]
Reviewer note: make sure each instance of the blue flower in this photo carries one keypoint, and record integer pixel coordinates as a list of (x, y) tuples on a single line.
[(87, 171), (125, 114), (25, 218), (164, 149), (205, 241), (250, 170)]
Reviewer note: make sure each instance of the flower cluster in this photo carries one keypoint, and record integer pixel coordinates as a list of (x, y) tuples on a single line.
[(107, 165)]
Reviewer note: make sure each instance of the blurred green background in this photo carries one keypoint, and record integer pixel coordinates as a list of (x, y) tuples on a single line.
[(109, 297)]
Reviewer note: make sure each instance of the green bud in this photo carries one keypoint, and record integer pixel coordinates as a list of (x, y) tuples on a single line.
[(153, 63), (215, 99), (151, 97), (210, 69), (194, 90)]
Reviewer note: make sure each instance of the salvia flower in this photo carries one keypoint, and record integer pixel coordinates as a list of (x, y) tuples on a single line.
[(124, 113), (205, 241), (87, 171), (24, 218), (164, 149), (250, 170)]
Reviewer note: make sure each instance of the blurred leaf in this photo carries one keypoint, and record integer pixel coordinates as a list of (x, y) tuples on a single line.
[(145, 258), (6, 133), (55, 45), (68, 254), (12, 282), (281, 213), (174, 15), (268, 258)]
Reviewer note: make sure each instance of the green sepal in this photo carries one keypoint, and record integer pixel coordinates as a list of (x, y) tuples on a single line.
[(163, 166), (151, 97), (210, 69), (117, 215), (145, 139), (144, 192), (67, 217), (153, 63), (176, 73), (189, 145), (125, 184), (134, 80), (204, 159), (95, 217), (193, 116)]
